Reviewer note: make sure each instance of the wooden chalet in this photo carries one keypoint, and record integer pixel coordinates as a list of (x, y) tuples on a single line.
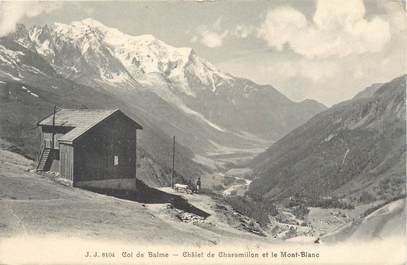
[(90, 148)]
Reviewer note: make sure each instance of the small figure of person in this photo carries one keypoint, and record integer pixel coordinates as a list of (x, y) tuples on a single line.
[(198, 185), (190, 186)]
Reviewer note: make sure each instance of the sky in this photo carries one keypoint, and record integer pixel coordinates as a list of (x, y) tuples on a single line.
[(327, 50)]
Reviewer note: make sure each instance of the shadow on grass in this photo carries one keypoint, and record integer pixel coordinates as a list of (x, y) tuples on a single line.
[(146, 194)]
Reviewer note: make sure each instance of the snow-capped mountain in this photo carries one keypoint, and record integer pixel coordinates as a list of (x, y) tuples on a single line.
[(113, 56), (211, 111), (16, 59)]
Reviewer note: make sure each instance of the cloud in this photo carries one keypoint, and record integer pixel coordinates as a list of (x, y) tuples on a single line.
[(244, 31), (14, 11), (397, 15), (212, 39), (338, 28), (329, 55), (281, 26), (210, 36)]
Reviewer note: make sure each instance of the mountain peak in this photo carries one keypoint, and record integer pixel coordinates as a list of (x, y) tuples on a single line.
[(87, 22), (21, 28), (107, 52), (21, 36), (91, 22), (90, 25), (308, 101), (140, 55)]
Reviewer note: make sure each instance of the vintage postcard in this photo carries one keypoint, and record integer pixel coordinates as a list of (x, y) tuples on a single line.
[(203, 132)]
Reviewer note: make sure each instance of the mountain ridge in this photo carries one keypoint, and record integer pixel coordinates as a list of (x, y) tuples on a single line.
[(354, 147)]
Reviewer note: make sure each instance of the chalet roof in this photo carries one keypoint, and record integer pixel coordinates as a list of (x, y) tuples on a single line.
[(80, 120)]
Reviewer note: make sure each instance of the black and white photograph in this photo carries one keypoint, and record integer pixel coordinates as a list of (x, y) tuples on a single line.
[(203, 132)]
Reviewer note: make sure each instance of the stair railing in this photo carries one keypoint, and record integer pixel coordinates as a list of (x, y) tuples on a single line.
[(41, 154)]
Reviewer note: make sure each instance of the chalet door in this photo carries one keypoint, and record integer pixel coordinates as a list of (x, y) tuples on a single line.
[(48, 140)]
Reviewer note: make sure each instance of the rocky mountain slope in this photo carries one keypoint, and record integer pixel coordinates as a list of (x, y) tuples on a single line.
[(207, 109), (355, 149)]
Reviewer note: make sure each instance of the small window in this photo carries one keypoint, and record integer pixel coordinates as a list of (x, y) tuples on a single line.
[(116, 160)]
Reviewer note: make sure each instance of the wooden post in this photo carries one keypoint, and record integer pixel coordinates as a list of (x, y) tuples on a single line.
[(135, 173), (53, 127), (173, 162)]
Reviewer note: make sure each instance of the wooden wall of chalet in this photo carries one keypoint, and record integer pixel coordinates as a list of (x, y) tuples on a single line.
[(95, 151), (66, 161)]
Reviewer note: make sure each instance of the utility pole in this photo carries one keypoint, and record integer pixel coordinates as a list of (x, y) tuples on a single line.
[(53, 127), (173, 162), (135, 161)]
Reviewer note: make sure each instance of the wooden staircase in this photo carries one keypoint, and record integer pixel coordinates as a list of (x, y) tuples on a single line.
[(44, 163)]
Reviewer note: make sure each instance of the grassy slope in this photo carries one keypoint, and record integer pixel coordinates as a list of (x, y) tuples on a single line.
[(33, 205)]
